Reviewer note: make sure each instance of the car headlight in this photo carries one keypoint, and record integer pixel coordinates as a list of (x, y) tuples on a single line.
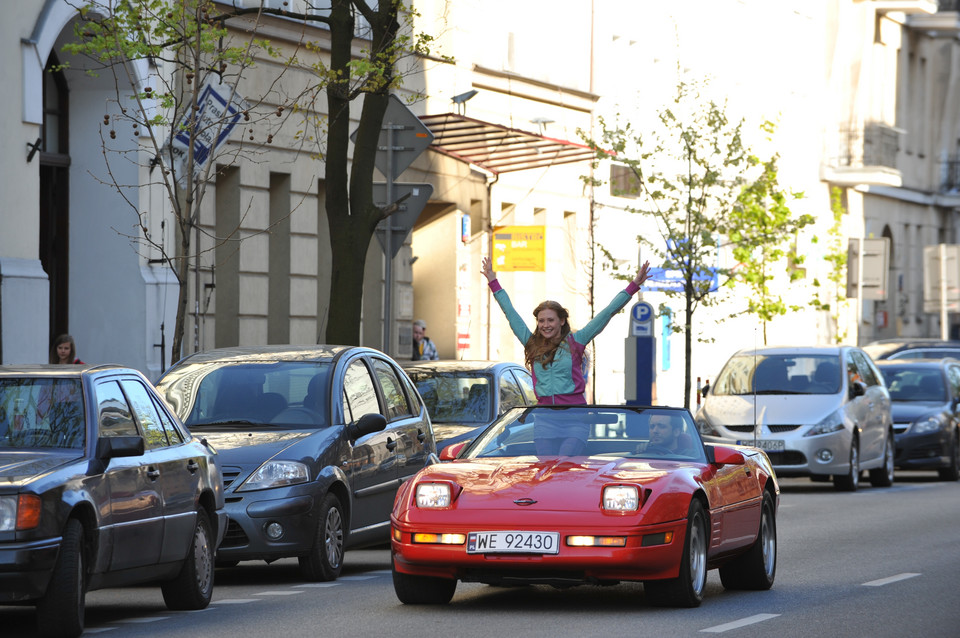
[(833, 422), (621, 498), (8, 513), (925, 425), (434, 495), (276, 474), (704, 426), (19, 512)]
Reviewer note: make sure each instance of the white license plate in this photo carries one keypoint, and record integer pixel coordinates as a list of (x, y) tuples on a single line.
[(513, 542), (767, 445)]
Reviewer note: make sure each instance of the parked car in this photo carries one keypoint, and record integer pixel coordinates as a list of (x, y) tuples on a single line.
[(925, 398), (817, 411), (629, 508), (464, 397), (915, 348), (100, 486), (314, 442)]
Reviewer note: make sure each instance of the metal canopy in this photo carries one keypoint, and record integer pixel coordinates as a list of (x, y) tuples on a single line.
[(499, 149)]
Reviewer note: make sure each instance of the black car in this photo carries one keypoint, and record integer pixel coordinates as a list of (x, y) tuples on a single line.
[(912, 348), (925, 396), (464, 397), (314, 442), (100, 486)]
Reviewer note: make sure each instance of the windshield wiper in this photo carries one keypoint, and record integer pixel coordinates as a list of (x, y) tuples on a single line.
[(226, 422)]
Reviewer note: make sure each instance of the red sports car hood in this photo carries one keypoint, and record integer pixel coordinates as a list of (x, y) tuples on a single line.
[(558, 484)]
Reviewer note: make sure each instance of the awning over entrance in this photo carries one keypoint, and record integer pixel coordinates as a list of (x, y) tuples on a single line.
[(499, 149)]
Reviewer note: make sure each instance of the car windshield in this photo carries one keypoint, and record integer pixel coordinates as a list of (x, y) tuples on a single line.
[(604, 431), (779, 374), (879, 350), (455, 397), (286, 394), (41, 413), (911, 383)]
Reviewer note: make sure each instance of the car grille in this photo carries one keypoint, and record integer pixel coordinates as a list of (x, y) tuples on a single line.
[(235, 536), (776, 429), (230, 475), (790, 457), (900, 428)]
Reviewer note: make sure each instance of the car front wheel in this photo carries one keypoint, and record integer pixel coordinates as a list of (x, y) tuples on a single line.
[(60, 611), (423, 590), (686, 590), (850, 481), (883, 475), (757, 568), (193, 586), (325, 559)]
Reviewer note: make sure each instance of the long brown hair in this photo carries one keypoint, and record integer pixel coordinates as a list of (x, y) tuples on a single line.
[(54, 357), (540, 349)]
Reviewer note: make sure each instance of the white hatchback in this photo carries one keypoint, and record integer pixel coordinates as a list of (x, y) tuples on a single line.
[(817, 411)]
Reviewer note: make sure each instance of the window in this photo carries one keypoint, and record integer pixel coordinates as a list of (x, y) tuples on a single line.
[(510, 394), (623, 181), (866, 370), (114, 416), (526, 386), (360, 394), (174, 435), (393, 395), (153, 433)]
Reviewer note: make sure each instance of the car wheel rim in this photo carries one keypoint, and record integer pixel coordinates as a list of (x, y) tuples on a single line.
[(334, 537), (698, 556), (769, 542), (203, 559)]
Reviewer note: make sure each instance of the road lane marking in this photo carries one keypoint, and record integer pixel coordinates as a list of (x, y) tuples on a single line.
[(356, 577), (737, 624), (381, 572), (98, 630), (892, 579), (316, 585), (145, 619), (234, 601), (278, 593)]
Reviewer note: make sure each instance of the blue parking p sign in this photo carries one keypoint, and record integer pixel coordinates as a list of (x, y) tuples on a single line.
[(641, 319)]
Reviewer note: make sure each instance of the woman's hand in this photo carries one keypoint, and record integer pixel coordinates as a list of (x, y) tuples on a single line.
[(643, 274), (487, 269)]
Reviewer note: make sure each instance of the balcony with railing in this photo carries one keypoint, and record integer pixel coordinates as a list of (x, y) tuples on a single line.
[(863, 155)]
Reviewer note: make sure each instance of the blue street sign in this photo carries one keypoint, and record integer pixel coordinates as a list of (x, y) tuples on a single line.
[(642, 312)]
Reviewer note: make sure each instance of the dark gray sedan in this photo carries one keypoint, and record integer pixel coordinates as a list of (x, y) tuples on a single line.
[(100, 486), (314, 441), (925, 402), (463, 397)]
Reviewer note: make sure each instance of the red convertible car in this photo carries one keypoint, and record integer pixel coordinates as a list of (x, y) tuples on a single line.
[(638, 498)]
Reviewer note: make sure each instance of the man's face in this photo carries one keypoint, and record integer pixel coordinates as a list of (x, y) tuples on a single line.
[(417, 333), (661, 432)]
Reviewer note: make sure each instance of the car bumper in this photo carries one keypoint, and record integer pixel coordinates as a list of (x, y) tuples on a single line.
[(249, 514), (824, 454), (25, 569), (633, 562), (922, 452)]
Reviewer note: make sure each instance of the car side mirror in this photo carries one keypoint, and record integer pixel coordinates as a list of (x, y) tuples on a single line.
[(368, 424), (857, 389), (726, 456), (109, 447), (705, 389), (452, 451)]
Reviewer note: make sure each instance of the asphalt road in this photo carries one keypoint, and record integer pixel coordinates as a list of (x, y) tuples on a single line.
[(877, 563)]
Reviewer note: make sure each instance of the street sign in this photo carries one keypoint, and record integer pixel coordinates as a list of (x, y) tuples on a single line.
[(410, 137), (934, 281), (412, 198), (641, 320), (673, 280), (876, 265), (519, 248), (219, 108)]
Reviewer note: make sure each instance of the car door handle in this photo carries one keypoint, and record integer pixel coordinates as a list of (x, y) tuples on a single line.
[(391, 444), (193, 466), (421, 436), (153, 473)]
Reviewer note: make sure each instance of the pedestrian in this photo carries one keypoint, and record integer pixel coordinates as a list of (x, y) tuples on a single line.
[(554, 354), (423, 348), (64, 351)]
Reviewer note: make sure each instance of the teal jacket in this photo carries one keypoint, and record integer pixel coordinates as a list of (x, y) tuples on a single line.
[(562, 381)]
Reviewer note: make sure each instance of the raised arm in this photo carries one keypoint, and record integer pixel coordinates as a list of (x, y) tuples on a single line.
[(486, 267), (642, 274)]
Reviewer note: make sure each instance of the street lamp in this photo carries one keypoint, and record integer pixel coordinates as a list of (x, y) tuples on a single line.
[(461, 100)]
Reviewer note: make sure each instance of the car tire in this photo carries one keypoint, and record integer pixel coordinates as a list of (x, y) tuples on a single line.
[(325, 559), (952, 471), (60, 612), (423, 590), (883, 475), (192, 588), (850, 481), (757, 568), (686, 590)]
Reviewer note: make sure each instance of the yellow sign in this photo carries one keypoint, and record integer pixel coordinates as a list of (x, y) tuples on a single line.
[(519, 248)]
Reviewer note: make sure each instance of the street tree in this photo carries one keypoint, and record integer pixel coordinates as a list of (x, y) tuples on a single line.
[(762, 230), (687, 175)]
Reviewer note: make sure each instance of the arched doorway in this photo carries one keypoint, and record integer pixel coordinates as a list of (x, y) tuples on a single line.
[(54, 193)]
